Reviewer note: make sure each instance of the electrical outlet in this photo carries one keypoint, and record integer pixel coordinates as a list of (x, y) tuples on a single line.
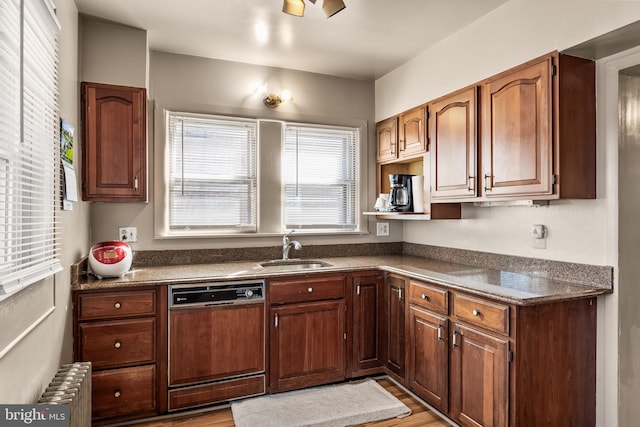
[(382, 229), (540, 243), (128, 234)]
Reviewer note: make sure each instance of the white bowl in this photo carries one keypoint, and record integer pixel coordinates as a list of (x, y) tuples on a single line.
[(110, 259)]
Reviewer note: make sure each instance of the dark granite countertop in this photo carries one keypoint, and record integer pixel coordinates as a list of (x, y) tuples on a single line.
[(511, 287)]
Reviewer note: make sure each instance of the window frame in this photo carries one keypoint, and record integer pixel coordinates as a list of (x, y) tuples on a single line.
[(355, 200), (214, 230), (269, 183), (31, 188)]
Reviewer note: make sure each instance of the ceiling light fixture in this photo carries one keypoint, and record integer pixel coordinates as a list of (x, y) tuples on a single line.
[(296, 7), (273, 101)]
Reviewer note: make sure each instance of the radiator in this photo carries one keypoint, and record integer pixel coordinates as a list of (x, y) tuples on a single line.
[(72, 385)]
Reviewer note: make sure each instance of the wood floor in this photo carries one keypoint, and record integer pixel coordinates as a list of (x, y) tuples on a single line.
[(420, 416)]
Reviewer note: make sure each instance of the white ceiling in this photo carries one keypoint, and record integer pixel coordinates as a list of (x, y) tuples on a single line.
[(366, 40)]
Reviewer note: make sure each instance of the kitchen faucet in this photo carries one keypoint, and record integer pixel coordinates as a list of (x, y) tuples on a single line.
[(286, 245)]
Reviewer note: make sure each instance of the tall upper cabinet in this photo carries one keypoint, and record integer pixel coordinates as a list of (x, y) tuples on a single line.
[(538, 130), (114, 143), (453, 138)]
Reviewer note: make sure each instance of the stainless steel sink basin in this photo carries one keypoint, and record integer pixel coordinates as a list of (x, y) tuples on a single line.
[(295, 264)]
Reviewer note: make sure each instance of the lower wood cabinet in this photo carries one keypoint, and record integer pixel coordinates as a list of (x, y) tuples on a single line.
[(307, 332), (366, 304), (428, 350), (118, 332), (479, 378), (484, 362), (395, 319), (125, 391)]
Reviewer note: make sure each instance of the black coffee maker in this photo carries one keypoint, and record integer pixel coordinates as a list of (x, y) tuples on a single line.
[(401, 195)]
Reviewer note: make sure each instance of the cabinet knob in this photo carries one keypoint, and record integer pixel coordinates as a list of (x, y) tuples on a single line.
[(310, 290), (476, 312), (117, 305), (116, 393), (424, 297), (118, 344)]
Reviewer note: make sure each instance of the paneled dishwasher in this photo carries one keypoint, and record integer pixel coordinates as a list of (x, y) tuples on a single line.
[(216, 342)]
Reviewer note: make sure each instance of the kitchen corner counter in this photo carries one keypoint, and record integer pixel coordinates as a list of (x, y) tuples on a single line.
[(510, 287)]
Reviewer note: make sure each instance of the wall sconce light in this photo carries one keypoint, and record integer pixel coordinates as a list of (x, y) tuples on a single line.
[(296, 7), (273, 100)]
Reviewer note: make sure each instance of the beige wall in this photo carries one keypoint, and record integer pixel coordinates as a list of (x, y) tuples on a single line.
[(200, 85), (36, 337)]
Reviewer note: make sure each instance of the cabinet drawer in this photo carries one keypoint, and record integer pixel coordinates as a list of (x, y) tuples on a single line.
[(118, 342), (116, 304), (217, 392), (490, 315), (124, 391), (429, 297), (308, 289)]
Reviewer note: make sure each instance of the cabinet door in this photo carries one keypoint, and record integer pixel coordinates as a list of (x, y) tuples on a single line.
[(307, 344), (479, 378), (387, 137), (429, 357), (517, 132), (212, 343), (411, 136), (452, 126), (395, 330), (367, 324), (114, 143)]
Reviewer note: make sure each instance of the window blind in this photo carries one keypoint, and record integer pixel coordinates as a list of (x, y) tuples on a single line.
[(29, 143), (320, 173), (212, 178)]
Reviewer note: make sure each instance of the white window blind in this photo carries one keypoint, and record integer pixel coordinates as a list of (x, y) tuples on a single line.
[(212, 178), (320, 171), (29, 143)]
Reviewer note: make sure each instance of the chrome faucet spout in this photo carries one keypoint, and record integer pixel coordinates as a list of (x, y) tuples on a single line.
[(287, 244)]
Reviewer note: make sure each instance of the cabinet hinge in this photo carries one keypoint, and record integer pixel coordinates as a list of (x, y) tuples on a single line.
[(554, 179), (510, 356)]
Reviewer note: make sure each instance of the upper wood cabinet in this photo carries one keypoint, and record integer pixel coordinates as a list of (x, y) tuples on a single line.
[(114, 143), (411, 133), (387, 137), (538, 130), (453, 136)]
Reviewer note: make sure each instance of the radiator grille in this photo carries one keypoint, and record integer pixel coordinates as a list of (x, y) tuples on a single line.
[(72, 385)]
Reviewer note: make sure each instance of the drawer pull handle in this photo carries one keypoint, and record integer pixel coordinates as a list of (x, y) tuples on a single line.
[(488, 187), (275, 321), (118, 344), (471, 180), (455, 338), (424, 297), (476, 312), (116, 393), (117, 305), (440, 333), (310, 290), (358, 290)]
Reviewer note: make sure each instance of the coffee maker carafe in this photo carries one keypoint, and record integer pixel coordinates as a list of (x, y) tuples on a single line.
[(401, 196)]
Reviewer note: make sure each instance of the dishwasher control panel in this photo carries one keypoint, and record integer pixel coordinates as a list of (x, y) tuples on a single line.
[(210, 294)]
